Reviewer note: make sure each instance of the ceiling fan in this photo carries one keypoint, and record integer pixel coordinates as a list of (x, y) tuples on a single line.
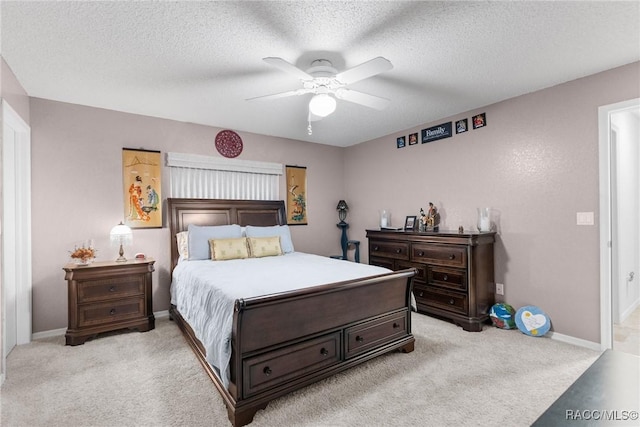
[(323, 80)]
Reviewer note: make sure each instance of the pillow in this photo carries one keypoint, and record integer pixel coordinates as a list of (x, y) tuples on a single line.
[(183, 241), (264, 246), (275, 230), (199, 237), (224, 249)]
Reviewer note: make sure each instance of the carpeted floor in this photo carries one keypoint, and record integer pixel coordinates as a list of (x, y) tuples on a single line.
[(453, 378)]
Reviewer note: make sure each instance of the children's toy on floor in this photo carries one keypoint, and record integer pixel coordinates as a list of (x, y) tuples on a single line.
[(502, 316), (532, 321)]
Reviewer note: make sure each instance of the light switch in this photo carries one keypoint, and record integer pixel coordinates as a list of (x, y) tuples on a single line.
[(584, 218)]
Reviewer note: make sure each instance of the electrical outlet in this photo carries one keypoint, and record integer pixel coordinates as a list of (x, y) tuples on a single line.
[(500, 288)]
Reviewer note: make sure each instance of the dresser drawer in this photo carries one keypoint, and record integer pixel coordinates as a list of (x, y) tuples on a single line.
[(421, 275), (113, 288), (385, 249), (110, 312), (365, 336), (382, 262), (443, 299), (276, 367), (450, 255), (447, 277)]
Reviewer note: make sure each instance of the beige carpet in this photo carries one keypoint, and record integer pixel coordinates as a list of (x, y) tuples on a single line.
[(453, 378)]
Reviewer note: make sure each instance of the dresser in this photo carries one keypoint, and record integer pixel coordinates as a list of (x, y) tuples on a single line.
[(455, 279), (107, 296)]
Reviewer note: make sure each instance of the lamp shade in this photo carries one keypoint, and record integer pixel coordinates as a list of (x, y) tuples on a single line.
[(121, 234), (322, 105)]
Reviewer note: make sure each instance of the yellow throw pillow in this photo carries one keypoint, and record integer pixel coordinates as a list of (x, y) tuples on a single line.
[(225, 249), (264, 246)]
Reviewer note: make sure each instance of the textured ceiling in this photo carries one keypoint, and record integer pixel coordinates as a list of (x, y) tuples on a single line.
[(199, 61)]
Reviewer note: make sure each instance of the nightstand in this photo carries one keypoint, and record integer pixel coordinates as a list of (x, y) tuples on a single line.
[(107, 296)]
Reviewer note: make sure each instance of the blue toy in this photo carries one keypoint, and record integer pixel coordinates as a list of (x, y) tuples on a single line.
[(501, 315), (532, 321)]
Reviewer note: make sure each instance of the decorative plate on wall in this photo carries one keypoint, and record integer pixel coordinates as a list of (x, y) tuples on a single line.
[(228, 143)]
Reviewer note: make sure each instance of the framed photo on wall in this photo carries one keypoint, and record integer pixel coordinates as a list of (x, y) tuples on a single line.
[(296, 177), (142, 188)]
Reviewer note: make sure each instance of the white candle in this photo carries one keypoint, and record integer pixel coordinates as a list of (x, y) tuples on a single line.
[(383, 221), (484, 223)]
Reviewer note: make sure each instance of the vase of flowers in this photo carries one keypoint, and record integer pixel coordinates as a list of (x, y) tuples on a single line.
[(84, 254)]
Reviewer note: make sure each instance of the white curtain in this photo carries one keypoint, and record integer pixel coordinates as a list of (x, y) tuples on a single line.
[(204, 177)]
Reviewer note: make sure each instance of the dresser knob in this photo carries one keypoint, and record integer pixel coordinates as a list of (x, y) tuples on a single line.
[(451, 301), (112, 289), (420, 253), (267, 371), (398, 251), (445, 278), (324, 351), (375, 248), (395, 325), (112, 311), (359, 338), (452, 256), (421, 294)]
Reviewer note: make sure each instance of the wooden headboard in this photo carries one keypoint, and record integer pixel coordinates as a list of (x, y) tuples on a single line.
[(183, 212)]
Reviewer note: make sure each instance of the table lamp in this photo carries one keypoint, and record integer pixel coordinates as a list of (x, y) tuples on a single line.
[(121, 235)]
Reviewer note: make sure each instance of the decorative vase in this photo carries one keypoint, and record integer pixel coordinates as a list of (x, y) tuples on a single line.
[(385, 218), (484, 219)]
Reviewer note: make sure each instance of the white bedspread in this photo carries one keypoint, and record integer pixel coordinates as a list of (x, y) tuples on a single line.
[(204, 292)]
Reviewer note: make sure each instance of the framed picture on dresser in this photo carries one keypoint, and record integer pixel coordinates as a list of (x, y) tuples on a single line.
[(410, 223)]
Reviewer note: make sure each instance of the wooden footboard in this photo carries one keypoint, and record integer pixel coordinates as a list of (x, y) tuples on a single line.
[(286, 341)]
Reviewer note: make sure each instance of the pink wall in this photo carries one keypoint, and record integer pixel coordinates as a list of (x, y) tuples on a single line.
[(12, 91), (77, 191), (536, 164)]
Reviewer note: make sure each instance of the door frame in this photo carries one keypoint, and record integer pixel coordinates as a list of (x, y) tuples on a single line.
[(21, 181), (606, 262)]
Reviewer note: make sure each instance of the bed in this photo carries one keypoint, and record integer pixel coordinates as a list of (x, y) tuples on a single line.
[(283, 341)]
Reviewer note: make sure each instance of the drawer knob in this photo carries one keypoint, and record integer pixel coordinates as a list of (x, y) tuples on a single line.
[(445, 277), (112, 311), (324, 351), (451, 301), (376, 248), (420, 253), (395, 325), (421, 294), (399, 251), (452, 256), (112, 289), (359, 338), (267, 371)]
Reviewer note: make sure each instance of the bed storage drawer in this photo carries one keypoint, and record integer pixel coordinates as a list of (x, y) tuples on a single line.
[(279, 366), (368, 335)]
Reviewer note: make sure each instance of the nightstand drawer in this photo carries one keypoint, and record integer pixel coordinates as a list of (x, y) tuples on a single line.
[(395, 250), (99, 313), (117, 287), (361, 338), (451, 255)]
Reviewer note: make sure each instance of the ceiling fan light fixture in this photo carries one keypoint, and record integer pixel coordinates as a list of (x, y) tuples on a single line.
[(322, 105)]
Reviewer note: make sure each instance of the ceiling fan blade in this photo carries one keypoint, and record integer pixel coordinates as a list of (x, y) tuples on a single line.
[(287, 67), (281, 94), (365, 70), (371, 101)]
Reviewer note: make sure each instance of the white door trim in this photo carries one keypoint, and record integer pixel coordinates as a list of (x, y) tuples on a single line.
[(604, 136), (21, 181)]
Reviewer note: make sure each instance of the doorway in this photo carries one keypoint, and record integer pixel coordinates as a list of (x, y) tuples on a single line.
[(619, 134), (15, 231)]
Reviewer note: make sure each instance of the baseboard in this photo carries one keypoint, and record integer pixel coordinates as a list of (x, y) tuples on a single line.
[(624, 315), (575, 341), (58, 332)]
